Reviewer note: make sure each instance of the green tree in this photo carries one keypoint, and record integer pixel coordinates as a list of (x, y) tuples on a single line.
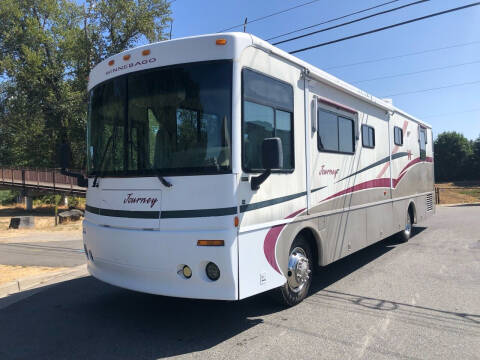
[(452, 156), (475, 160), (47, 49)]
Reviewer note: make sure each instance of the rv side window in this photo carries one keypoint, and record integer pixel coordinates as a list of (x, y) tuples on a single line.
[(423, 143), (335, 133), (267, 112), (368, 136), (398, 136)]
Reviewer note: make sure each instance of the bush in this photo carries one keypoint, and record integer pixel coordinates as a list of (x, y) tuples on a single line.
[(8, 197)]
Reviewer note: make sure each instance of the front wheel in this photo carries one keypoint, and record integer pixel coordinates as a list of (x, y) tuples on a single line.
[(299, 272)]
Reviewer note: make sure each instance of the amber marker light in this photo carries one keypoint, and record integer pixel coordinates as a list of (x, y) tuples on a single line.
[(146, 52), (221, 42), (111, 62), (210, 243), (235, 221), (126, 57)]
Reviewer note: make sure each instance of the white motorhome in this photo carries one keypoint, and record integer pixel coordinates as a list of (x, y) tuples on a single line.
[(221, 166)]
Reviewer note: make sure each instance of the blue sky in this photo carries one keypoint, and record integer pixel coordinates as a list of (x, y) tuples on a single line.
[(449, 109)]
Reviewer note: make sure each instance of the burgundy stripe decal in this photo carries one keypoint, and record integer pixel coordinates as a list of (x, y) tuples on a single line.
[(337, 105), (379, 183), (270, 242), (383, 182), (271, 238)]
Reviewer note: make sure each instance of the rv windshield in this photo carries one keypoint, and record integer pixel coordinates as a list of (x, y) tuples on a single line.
[(173, 120)]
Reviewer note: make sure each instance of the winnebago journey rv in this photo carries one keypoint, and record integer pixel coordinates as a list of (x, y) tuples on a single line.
[(221, 167)]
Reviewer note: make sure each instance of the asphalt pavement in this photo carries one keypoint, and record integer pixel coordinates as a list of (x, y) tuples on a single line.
[(67, 253), (417, 300)]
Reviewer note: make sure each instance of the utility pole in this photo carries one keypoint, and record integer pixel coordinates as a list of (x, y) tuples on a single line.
[(245, 25)]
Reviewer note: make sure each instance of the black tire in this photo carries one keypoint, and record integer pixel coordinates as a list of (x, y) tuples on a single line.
[(406, 233), (289, 295)]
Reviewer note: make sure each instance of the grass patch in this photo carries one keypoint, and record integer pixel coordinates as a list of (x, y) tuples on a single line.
[(471, 192), (459, 192)]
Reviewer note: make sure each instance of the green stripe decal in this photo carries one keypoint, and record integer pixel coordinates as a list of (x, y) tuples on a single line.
[(123, 213), (262, 204), (168, 214), (177, 214), (181, 214), (379, 162)]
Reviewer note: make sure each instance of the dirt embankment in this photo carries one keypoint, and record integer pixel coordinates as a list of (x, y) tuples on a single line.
[(44, 220), (44, 231), (11, 273), (459, 192)]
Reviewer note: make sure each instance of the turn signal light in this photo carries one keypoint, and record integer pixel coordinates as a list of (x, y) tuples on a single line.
[(221, 41), (210, 243)]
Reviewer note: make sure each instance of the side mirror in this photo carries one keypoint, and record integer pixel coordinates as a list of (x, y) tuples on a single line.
[(272, 158), (272, 153), (65, 156)]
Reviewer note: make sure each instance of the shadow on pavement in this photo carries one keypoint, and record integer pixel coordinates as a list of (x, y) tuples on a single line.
[(331, 273), (85, 318)]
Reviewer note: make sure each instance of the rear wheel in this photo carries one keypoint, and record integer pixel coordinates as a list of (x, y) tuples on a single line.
[(299, 272), (406, 233)]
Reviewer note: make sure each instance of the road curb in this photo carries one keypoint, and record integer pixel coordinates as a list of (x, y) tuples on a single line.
[(32, 282), (465, 204)]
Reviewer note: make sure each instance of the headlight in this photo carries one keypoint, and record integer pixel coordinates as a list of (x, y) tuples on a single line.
[(212, 270)]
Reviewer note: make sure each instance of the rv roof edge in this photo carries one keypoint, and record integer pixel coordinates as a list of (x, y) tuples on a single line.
[(324, 77)]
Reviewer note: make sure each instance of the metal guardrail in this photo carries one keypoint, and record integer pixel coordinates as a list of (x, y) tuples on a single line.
[(40, 180)]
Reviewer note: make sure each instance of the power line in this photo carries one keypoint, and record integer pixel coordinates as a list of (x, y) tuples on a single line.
[(402, 55), (417, 72), (386, 27), (332, 20), (451, 113), (270, 15), (432, 89), (350, 22)]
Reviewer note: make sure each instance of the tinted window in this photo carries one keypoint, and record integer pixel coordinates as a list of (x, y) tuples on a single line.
[(398, 136), (335, 133), (345, 135), (264, 89), (267, 112), (258, 125), (171, 120), (283, 130), (327, 131), (368, 136), (423, 142)]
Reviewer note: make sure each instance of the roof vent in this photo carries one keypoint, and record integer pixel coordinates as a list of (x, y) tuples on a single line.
[(390, 101)]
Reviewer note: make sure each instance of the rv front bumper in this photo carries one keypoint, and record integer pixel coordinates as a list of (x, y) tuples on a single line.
[(152, 261)]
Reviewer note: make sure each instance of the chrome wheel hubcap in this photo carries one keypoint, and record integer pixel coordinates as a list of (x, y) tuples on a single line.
[(408, 226), (298, 270)]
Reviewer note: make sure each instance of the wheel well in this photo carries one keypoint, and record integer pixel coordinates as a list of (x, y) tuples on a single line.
[(412, 212), (312, 240)]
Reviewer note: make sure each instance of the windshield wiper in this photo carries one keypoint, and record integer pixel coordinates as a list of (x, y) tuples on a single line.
[(164, 181), (102, 160)]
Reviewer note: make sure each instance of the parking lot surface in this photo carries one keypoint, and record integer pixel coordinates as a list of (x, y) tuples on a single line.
[(417, 300)]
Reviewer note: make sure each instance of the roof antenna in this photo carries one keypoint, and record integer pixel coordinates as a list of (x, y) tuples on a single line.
[(245, 25), (171, 24)]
